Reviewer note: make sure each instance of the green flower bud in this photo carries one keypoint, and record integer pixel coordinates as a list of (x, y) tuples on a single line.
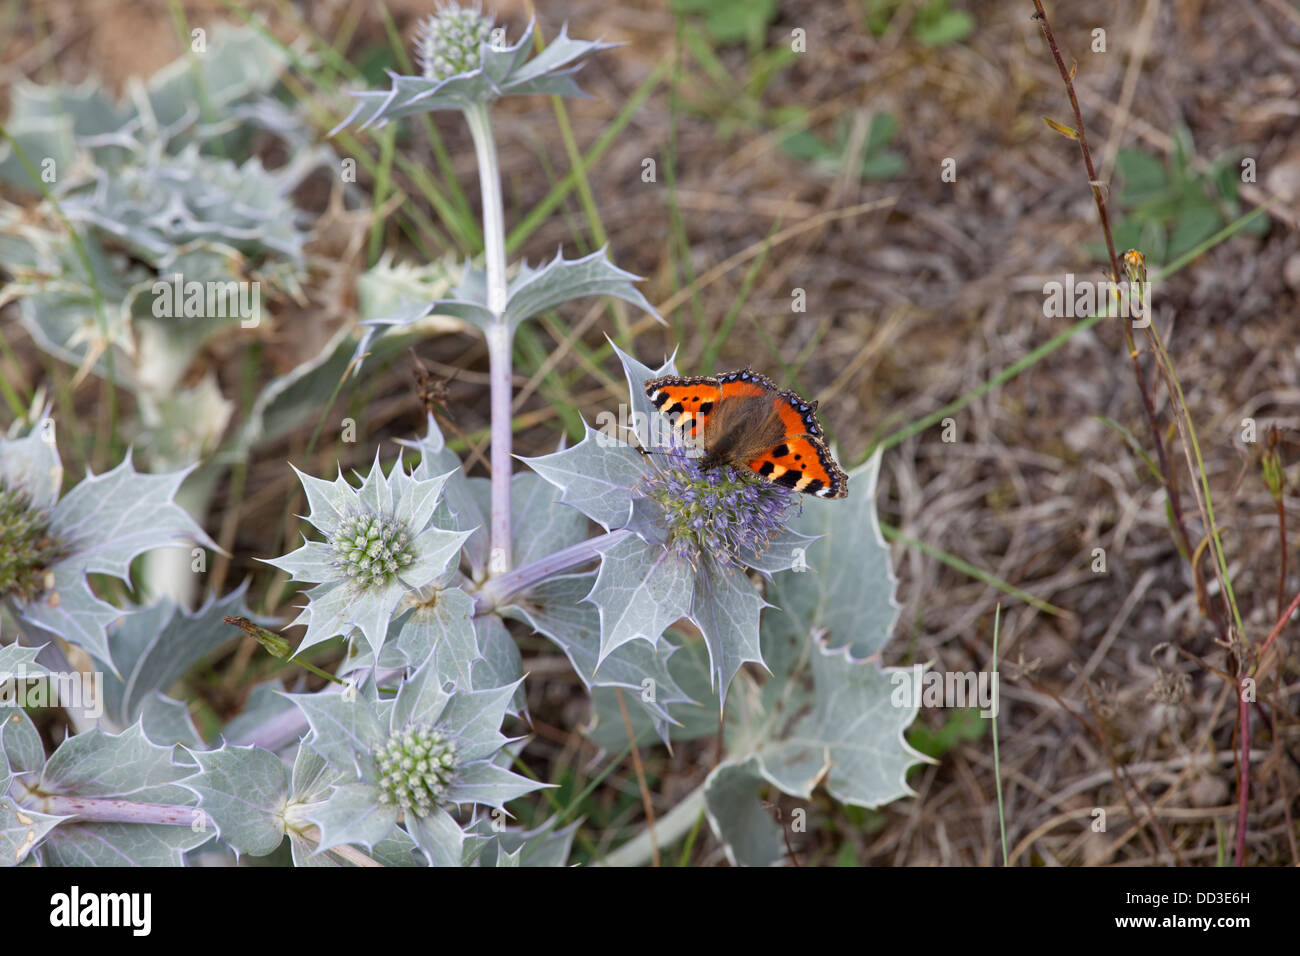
[(451, 41), (370, 549), (416, 766)]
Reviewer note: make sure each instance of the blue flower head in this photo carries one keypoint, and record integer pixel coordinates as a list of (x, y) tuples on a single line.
[(721, 512)]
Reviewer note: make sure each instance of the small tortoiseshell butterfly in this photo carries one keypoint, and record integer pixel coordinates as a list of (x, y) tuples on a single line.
[(742, 419)]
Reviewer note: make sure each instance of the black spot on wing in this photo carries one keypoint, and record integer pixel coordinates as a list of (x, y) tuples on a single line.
[(766, 469), (781, 450), (706, 408), (790, 478)]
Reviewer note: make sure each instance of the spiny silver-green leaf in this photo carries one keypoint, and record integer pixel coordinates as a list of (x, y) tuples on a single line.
[(156, 645), (344, 726), (685, 708), (848, 589), (640, 591), (546, 845), (533, 291), (503, 71), (639, 403), (244, 790), (352, 814), (21, 829), (20, 661), (556, 610), (21, 749), (126, 766), (32, 464), (749, 835), (596, 476), (438, 836), (105, 522), (539, 523), (725, 606), (167, 722)]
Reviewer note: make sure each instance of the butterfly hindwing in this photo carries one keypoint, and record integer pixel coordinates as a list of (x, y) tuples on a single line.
[(802, 461)]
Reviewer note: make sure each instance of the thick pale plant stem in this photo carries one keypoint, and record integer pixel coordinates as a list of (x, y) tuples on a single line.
[(500, 334), (499, 590), (111, 810), (500, 341)]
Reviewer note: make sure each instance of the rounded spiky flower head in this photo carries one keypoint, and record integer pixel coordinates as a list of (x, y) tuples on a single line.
[(27, 546), (721, 512), (415, 765), (370, 548), (381, 544), (451, 41), (414, 757)]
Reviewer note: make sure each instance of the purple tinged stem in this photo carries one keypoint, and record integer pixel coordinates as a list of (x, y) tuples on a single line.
[(109, 810), (498, 590), (500, 335)]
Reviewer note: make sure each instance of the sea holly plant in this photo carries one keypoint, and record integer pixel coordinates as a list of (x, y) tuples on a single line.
[(143, 200), (370, 763), (381, 547), (50, 542), (150, 227), (680, 595), (678, 538), (466, 65), (827, 713)]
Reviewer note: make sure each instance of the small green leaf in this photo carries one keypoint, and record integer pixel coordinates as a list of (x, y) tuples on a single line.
[(882, 131), (950, 26), (1194, 224), (1141, 175), (964, 724), (884, 165)]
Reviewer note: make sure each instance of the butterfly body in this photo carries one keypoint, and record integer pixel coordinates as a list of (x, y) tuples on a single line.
[(742, 419)]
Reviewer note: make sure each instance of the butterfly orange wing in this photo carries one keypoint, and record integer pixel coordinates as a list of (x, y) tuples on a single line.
[(686, 401), (801, 462)]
